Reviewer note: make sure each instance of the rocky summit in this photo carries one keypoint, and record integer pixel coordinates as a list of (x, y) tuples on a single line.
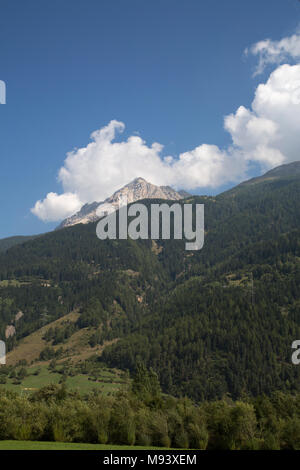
[(136, 190)]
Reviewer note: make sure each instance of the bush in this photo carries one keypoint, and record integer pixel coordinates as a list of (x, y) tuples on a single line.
[(122, 424), (159, 430), (142, 427)]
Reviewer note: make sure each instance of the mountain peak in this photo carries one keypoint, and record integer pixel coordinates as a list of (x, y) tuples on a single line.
[(139, 179), (134, 191)]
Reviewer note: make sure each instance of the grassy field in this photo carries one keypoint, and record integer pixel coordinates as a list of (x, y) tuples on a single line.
[(76, 347), (108, 381), (33, 445)]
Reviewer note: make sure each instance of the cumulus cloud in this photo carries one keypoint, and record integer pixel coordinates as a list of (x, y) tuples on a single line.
[(56, 207), (102, 167), (94, 172), (275, 52), (266, 133), (269, 132)]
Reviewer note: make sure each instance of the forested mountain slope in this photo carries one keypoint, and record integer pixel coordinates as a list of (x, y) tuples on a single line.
[(6, 243), (210, 322)]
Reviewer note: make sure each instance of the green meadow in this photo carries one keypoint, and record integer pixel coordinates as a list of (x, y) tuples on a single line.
[(37, 445), (106, 381)]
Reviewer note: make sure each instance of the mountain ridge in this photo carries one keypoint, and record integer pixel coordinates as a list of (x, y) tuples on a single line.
[(136, 190), (288, 170)]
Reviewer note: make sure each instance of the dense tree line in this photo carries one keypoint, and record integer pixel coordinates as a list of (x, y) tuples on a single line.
[(143, 416)]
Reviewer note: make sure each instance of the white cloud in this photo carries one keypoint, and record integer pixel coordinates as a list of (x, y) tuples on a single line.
[(56, 207), (207, 166), (269, 132), (275, 52), (266, 133), (94, 172)]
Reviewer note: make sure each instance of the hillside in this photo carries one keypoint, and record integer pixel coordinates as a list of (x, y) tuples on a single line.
[(214, 322), (281, 173), (6, 243)]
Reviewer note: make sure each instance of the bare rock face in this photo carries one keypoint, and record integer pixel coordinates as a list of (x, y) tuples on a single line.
[(10, 331), (86, 215), (136, 190), (18, 316)]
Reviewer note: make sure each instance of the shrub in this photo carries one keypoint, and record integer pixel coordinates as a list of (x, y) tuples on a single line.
[(122, 424)]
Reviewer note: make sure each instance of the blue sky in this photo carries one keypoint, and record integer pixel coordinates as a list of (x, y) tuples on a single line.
[(169, 70)]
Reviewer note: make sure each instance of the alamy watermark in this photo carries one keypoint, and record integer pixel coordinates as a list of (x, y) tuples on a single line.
[(157, 224), (2, 92), (2, 353), (296, 354)]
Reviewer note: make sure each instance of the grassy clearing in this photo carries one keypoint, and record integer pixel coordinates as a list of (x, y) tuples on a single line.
[(76, 348), (108, 381), (10, 283), (34, 445), (30, 347)]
